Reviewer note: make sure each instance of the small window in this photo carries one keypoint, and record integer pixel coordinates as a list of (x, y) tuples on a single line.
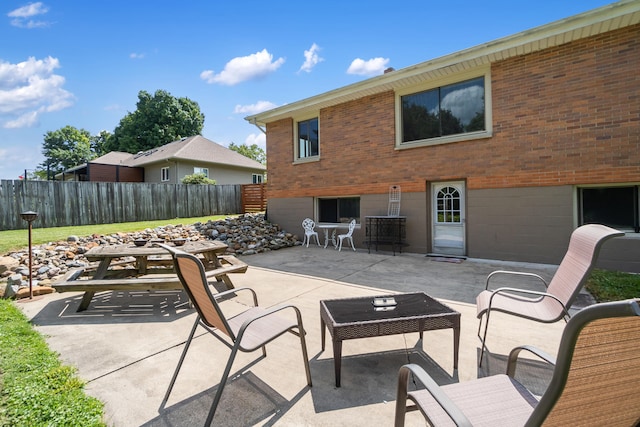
[(164, 174), (339, 210), (257, 178), (308, 140), (616, 207), (204, 171)]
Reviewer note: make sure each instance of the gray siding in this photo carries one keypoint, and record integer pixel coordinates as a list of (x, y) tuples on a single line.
[(222, 174)]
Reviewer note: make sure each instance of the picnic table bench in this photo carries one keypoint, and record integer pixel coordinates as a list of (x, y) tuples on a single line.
[(151, 270)]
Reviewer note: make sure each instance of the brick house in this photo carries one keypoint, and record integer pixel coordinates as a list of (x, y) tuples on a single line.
[(500, 150), (170, 163)]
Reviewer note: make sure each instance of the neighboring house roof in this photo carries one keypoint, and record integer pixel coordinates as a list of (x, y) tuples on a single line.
[(194, 148), (197, 149), (112, 158), (604, 19)]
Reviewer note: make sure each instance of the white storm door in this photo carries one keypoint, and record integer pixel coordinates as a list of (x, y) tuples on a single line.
[(448, 220)]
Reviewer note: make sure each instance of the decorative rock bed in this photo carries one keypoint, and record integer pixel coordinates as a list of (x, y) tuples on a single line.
[(246, 234)]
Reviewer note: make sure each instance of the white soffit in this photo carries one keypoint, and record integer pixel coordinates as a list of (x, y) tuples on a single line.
[(607, 18)]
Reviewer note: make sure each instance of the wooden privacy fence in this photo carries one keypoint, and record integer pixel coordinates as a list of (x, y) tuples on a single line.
[(85, 203), (254, 198)]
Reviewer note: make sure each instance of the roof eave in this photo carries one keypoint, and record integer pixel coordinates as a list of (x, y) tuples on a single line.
[(587, 24)]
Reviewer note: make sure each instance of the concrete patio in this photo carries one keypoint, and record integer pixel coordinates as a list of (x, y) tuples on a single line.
[(127, 344)]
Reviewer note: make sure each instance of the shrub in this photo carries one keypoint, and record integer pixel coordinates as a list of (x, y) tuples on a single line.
[(198, 178)]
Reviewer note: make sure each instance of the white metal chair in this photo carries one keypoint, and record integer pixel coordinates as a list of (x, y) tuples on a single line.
[(349, 236), (394, 201), (309, 231)]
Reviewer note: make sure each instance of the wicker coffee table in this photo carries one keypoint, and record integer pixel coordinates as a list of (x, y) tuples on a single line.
[(351, 318)]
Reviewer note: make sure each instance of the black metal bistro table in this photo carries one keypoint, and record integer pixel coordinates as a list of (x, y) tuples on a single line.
[(351, 318)]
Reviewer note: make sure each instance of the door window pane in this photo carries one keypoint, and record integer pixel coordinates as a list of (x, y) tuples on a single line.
[(448, 205)]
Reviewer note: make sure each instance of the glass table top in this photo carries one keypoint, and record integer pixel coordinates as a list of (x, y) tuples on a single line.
[(362, 309)]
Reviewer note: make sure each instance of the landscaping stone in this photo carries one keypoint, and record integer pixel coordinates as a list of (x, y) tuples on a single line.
[(7, 265), (247, 234)]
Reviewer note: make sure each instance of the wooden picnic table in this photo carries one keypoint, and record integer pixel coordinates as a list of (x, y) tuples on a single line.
[(151, 269)]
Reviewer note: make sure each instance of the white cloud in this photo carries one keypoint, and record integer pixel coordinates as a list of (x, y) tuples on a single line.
[(464, 103), (29, 89), (311, 58), (134, 55), (32, 9), (20, 16), (24, 121), (244, 68), (372, 67), (256, 108), (260, 139)]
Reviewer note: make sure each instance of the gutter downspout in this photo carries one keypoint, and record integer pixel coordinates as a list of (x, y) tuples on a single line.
[(255, 123)]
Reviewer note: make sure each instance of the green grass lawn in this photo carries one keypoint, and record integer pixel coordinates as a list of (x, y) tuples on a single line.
[(35, 388), (607, 285)]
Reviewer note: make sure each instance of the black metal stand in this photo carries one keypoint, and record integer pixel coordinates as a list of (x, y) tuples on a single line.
[(386, 230)]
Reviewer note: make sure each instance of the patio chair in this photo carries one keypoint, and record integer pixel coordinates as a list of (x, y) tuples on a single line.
[(348, 235), (309, 231), (246, 332), (594, 380), (553, 304)]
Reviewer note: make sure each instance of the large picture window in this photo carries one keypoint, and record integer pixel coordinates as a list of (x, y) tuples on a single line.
[(308, 144), (617, 207), (445, 111), (339, 210)]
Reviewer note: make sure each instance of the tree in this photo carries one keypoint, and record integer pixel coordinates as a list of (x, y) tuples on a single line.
[(158, 120), (99, 143), (197, 178), (63, 149), (252, 151)]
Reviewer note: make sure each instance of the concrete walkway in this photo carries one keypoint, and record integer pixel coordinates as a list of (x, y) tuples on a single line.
[(127, 344)]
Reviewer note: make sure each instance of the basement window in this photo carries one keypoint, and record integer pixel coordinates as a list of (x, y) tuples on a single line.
[(616, 207), (338, 210)]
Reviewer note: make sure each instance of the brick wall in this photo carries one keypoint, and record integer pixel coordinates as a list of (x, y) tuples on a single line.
[(563, 116)]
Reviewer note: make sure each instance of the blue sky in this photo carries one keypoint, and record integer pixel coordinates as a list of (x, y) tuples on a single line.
[(82, 63)]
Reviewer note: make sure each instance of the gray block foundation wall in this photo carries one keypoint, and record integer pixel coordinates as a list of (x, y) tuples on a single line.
[(516, 224)]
